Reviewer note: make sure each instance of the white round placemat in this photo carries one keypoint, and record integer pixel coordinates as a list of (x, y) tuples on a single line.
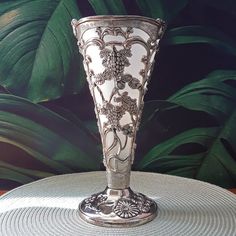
[(186, 207)]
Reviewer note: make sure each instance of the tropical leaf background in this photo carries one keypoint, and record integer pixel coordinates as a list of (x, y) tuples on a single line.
[(47, 122)]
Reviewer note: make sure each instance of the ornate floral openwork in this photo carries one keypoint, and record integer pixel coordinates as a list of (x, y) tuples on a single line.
[(118, 56), (121, 111)]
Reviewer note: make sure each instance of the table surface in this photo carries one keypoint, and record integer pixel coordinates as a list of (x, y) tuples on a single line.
[(232, 190), (186, 207)]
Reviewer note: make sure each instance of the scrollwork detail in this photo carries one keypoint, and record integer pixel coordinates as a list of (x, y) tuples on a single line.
[(115, 58)]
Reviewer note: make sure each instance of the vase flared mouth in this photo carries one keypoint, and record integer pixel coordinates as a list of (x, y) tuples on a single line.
[(111, 18)]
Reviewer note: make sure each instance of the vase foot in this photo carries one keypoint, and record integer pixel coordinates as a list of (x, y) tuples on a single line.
[(118, 208)]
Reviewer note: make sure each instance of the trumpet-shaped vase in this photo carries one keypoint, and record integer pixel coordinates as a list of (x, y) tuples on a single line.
[(119, 54)]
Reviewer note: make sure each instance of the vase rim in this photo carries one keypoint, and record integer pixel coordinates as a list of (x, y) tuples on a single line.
[(153, 21)]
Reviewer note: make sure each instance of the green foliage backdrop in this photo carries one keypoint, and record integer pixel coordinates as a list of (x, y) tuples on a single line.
[(46, 112)]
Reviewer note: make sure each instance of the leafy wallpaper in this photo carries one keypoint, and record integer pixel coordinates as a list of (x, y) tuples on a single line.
[(47, 120)]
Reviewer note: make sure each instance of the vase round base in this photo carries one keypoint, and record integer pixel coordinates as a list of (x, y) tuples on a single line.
[(118, 208)]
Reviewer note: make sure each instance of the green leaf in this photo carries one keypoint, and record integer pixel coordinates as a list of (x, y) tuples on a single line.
[(200, 34), (173, 163), (200, 136), (20, 175), (88, 127), (9, 174), (39, 57), (217, 164), (164, 9), (106, 7), (46, 136), (212, 95)]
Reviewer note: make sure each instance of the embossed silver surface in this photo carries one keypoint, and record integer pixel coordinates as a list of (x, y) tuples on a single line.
[(118, 56)]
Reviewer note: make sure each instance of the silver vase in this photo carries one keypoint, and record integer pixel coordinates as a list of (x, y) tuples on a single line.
[(118, 56)]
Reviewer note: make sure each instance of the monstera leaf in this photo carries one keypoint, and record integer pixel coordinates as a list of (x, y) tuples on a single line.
[(48, 137), (217, 164), (39, 58)]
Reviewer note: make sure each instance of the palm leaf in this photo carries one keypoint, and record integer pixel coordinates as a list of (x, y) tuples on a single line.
[(39, 59)]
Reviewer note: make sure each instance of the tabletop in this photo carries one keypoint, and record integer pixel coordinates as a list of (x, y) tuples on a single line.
[(186, 207)]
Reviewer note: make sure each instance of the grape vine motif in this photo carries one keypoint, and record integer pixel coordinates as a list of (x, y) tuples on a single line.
[(119, 104), (115, 112), (114, 62)]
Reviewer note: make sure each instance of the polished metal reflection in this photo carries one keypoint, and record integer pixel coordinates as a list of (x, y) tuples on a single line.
[(118, 56)]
